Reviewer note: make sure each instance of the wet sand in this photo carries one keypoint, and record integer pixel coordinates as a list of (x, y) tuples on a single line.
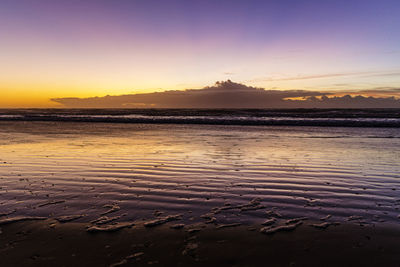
[(102, 194), (49, 243), (53, 169)]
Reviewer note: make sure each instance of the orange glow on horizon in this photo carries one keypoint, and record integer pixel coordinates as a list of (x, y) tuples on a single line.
[(38, 97)]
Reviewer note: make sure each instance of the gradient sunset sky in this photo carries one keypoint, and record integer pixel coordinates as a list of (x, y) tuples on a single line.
[(55, 48)]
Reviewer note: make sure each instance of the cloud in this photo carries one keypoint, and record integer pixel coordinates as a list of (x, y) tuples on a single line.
[(383, 74), (228, 94), (327, 75), (382, 90), (375, 92), (307, 77), (347, 101)]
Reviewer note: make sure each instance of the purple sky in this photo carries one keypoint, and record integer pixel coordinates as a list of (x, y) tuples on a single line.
[(94, 47)]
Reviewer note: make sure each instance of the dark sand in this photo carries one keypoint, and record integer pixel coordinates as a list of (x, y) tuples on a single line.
[(49, 243)]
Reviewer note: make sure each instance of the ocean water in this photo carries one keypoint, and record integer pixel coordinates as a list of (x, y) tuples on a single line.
[(55, 168), (297, 117)]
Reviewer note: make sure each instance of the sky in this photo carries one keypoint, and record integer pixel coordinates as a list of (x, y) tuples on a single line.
[(54, 49)]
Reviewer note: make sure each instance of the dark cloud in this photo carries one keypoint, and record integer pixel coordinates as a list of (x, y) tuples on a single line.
[(347, 101), (228, 94)]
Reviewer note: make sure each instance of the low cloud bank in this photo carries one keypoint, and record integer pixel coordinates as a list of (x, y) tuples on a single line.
[(228, 94)]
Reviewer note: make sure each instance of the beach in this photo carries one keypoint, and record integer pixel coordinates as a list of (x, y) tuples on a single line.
[(103, 193)]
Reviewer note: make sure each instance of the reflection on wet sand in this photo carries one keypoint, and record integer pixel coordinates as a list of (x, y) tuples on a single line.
[(141, 172)]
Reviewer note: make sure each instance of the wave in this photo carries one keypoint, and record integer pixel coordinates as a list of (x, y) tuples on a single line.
[(277, 121), (333, 118)]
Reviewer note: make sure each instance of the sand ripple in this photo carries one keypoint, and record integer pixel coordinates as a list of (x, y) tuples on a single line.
[(233, 174)]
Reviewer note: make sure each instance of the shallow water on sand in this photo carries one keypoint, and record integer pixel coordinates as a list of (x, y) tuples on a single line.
[(63, 168)]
